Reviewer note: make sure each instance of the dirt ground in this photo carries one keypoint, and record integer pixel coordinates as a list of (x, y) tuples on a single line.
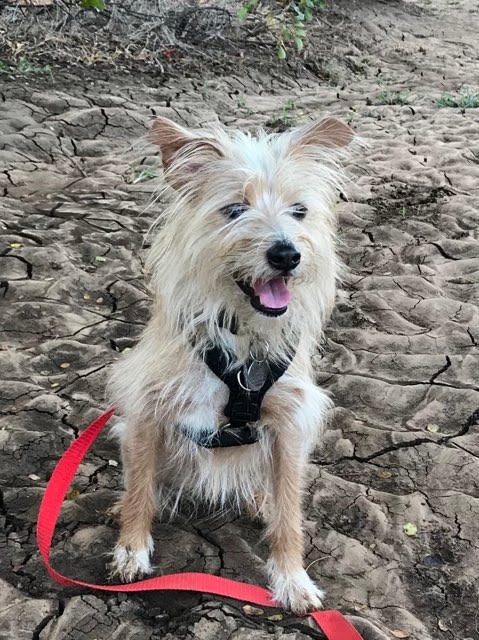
[(401, 358)]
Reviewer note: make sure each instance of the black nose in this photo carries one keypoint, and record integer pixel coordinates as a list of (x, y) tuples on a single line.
[(283, 256)]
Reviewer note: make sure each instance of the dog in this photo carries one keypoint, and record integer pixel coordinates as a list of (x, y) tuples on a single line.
[(218, 399)]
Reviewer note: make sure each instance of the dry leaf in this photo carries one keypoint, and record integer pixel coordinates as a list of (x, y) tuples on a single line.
[(385, 474), (252, 611), (15, 245), (433, 428), (397, 633), (86, 296), (74, 493), (442, 625), (276, 617), (55, 384), (64, 365), (100, 258)]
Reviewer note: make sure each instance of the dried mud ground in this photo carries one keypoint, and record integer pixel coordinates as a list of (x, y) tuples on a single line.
[(401, 358)]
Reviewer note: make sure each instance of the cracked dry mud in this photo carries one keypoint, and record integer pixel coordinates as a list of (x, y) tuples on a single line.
[(401, 356)]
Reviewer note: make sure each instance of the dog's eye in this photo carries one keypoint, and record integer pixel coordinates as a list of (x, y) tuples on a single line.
[(299, 211), (233, 211)]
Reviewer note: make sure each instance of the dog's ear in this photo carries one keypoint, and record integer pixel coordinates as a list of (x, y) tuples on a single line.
[(191, 150), (330, 132)]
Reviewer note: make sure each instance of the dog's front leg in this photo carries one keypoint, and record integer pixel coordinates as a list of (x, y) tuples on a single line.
[(137, 506), (289, 582)]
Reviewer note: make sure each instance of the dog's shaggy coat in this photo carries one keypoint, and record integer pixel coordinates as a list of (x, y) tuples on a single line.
[(283, 189)]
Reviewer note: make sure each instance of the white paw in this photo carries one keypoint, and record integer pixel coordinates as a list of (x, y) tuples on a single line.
[(129, 564), (294, 591)]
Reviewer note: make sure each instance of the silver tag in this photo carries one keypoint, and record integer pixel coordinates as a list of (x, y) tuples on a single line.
[(255, 375)]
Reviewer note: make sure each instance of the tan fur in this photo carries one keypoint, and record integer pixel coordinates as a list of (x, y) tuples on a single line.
[(194, 261)]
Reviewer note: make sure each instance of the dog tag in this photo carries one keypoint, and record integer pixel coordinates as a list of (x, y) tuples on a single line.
[(255, 375)]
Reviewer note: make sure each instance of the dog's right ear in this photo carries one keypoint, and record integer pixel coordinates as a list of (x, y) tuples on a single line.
[(183, 152)]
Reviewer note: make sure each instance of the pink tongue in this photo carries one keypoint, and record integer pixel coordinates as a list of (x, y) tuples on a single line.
[(273, 293)]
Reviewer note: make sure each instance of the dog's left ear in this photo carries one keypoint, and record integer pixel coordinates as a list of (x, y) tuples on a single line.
[(183, 152), (330, 132)]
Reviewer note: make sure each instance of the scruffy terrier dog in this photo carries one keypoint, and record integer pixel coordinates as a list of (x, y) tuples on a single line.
[(218, 398)]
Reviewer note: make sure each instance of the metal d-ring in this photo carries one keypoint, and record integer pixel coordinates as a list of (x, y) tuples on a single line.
[(238, 377), (266, 351)]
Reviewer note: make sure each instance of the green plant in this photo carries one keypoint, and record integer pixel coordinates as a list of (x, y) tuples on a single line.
[(283, 119), (393, 97), (466, 100), (99, 5), (25, 67), (142, 174), (285, 20)]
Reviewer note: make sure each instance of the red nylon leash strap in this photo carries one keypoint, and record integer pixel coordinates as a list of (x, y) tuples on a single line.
[(333, 624)]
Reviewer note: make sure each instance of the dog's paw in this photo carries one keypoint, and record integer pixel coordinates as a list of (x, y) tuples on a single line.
[(295, 591), (128, 564)]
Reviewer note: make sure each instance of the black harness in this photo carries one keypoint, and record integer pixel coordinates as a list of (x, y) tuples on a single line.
[(247, 386)]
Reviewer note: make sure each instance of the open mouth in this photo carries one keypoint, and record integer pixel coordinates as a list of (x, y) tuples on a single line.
[(269, 297)]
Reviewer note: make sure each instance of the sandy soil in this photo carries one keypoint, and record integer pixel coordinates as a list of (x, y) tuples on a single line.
[(401, 357)]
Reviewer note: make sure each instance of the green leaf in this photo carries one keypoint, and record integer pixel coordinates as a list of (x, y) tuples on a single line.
[(276, 617), (410, 529), (281, 52), (243, 12), (308, 15), (99, 5), (299, 44)]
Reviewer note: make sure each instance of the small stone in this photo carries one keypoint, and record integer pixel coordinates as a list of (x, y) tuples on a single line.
[(398, 633), (33, 476), (442, 625), (433, 428), (112, 463), (99, 300), (55, 384), (252, 611), (86, 296), (100, 259), (64, 365)]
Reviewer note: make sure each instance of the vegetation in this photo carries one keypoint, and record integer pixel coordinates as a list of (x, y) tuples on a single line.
[(24, 67), (286, 20), (468, 99), (393, 97)]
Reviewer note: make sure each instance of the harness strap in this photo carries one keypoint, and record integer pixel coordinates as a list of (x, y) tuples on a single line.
[(225, 437), (333, 624), (244, 405)]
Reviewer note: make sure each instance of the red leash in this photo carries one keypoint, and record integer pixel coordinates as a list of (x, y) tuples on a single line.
[(333, 624)]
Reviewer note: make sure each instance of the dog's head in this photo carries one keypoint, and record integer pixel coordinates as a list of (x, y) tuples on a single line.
[(251, 231)]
